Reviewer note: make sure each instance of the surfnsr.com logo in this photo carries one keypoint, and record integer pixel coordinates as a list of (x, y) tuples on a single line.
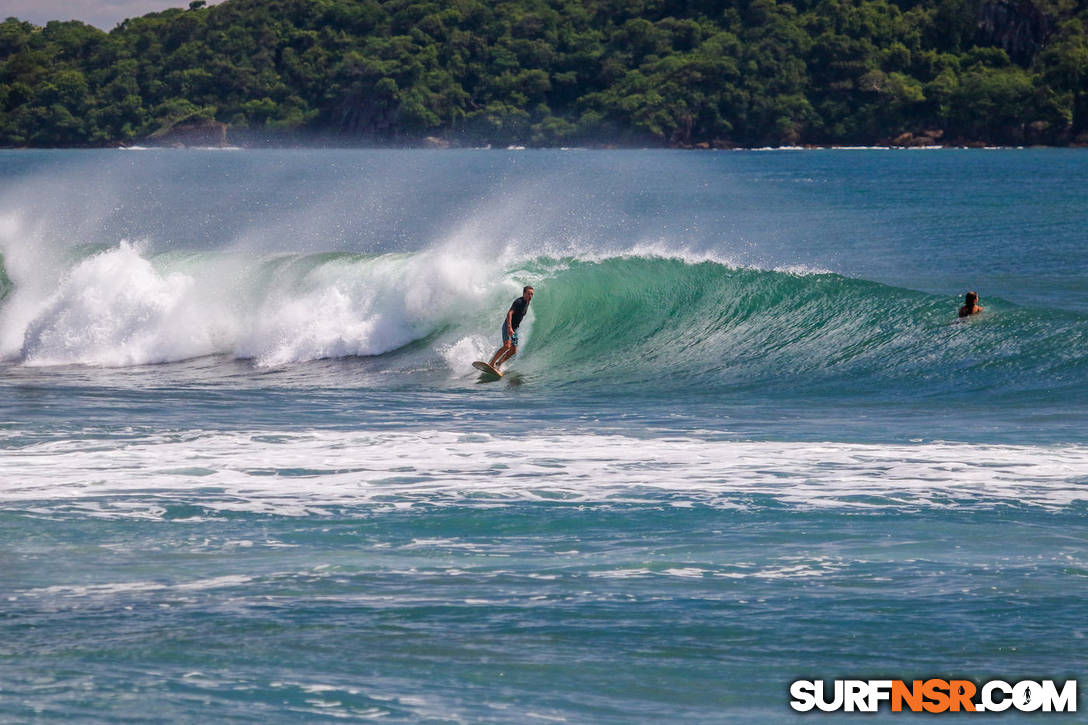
[(933, 695)]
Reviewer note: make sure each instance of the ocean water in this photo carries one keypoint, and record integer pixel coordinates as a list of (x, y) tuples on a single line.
[(248, 474)]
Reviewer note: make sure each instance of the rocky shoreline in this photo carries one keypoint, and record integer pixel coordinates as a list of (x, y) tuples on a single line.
[(216, 134)]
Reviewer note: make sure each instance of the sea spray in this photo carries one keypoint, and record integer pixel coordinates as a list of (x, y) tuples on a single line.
[(115, 309), (355, 306)]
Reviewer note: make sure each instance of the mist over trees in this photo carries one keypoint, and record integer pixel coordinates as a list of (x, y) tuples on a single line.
[(558, 72)]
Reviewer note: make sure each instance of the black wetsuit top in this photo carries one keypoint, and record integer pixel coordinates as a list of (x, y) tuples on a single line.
[(520, 307)]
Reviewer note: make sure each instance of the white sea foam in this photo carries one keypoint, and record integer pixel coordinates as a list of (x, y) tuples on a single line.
[(132, 587), (306, 473), (461, 354), (122, 307), (347, 308), (115, 309), (801, 270)]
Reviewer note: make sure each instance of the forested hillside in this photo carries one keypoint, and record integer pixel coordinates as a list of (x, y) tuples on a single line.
[(558, 72)]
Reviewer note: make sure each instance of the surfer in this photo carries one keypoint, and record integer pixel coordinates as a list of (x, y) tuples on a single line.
[(510, 328), (970, 305)]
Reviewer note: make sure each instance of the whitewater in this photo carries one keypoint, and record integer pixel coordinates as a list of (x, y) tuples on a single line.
[(248, 473)]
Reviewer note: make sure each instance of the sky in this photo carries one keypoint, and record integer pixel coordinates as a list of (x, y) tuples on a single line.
[(104, 14)]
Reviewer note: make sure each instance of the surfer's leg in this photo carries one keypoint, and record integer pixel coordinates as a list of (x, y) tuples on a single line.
[(510, 352), (500, 353), (508, 341)]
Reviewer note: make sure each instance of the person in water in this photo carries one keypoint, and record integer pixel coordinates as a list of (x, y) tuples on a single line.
[(970, 305), (510, 328)]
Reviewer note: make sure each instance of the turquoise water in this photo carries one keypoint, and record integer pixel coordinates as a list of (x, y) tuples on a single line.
[(247, 472)]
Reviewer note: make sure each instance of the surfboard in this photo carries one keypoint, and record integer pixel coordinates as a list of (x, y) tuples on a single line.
[(487, 369)]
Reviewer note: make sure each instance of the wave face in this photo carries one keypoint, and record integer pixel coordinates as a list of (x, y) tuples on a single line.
[(707, 322), (631, 318)]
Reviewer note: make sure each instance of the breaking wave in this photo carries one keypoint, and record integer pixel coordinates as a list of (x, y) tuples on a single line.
[(631, 316)]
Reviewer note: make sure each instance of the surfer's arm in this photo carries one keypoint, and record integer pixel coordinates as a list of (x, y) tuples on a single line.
[(510, 320)]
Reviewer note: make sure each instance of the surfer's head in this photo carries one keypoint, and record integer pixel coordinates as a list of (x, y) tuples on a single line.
[(970, 299), (527, 293)]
